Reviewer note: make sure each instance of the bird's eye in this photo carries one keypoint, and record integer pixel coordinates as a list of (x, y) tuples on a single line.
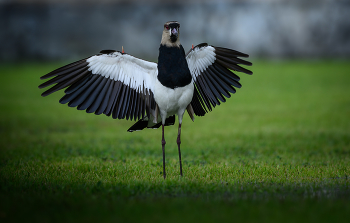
[(167, 27)]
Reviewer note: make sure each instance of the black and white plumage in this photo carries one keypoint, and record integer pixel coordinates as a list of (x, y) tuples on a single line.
[(125, 87)]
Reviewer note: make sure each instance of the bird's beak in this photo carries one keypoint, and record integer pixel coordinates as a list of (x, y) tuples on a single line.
[(174, 32), (173, 35)]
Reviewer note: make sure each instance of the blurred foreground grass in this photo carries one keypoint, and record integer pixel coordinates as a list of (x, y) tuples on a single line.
[(279, 149)]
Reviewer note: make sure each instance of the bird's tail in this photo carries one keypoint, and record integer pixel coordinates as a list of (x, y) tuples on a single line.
[(148, 123)]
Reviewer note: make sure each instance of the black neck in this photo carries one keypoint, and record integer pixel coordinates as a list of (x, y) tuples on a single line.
[(172, 67)]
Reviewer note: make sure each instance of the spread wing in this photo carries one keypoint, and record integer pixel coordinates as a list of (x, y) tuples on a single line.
[(211, 69), (112, 83)]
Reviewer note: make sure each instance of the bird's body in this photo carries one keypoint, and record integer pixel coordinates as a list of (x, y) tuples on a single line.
[(174, 87), (122, 86), (173, 71), (172, 101)]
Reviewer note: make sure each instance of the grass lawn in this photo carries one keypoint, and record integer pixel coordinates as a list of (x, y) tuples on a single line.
[(278, 150)]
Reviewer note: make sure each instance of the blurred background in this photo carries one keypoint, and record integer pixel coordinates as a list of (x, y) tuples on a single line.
[(279, 148), (62, 30)]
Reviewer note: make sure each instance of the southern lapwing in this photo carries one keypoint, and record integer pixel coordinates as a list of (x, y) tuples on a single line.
[(122, 86)]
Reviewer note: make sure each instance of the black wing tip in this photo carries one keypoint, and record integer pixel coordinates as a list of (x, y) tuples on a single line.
[(45, 94), (46, 76), (249, 72), (247, 63), (234, 52), (64, 68), (41, 86)]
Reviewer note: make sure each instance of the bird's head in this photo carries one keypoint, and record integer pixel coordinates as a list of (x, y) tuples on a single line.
[(171, 34)]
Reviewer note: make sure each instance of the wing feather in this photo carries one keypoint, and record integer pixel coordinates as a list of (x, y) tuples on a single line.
[(91, 93), (210, 85), (206, 92), (198, 104), (224, 82), (118, 109), (211, 72), (77, 85), (218, 84), (117, 87), (126, 103), (105, 97), (65, 69), (112, 83), (80, 95), (99, 100)]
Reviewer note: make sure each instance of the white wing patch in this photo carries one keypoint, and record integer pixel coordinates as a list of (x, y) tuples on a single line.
[(199, 59), (131, 71)]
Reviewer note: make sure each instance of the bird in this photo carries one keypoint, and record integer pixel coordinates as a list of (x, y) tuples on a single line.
[(120, 85)]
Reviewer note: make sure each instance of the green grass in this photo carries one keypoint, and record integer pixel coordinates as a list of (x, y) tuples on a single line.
[(278, 150)]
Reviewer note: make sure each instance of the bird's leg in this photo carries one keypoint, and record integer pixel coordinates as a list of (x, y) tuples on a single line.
[(163, 148), (178, 146)]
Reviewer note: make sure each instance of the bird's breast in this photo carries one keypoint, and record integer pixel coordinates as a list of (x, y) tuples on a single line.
[(173, 101), (173, 71)]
